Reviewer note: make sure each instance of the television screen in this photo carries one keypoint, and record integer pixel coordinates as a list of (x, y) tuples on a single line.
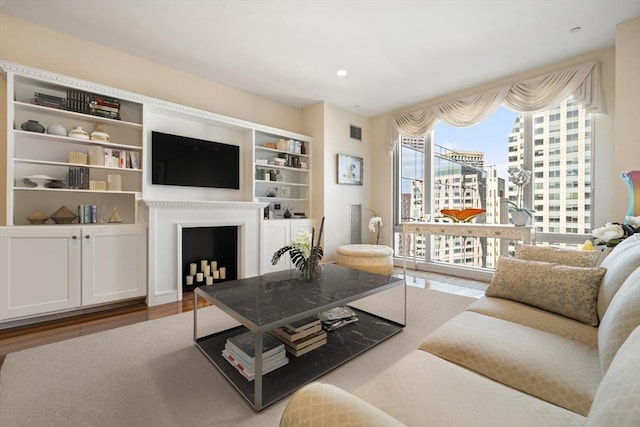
[(180, 160)]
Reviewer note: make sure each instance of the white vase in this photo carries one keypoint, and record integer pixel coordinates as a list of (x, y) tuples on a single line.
[(519, 218)]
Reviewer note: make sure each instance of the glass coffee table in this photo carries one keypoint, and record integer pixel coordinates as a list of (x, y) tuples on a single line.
[(263, 303)]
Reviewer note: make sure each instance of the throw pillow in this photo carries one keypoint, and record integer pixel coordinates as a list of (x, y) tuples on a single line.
[(561, 289), (571, 257)]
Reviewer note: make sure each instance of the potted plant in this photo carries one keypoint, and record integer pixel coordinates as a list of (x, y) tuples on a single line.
[(519, 214)]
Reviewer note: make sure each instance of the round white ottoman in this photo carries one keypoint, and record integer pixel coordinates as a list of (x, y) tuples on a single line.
[(372, 258)]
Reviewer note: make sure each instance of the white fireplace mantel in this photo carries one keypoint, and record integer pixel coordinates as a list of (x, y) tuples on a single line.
[(165, 217)]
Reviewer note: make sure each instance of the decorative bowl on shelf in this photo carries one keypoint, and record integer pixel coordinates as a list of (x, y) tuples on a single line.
[(55, 183), (465, 215), (32, 126), (63, 216), (37, 217), (78, 133), (40, 180), (57, 129)]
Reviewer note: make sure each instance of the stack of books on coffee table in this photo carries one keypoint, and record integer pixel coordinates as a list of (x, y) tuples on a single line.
[(239, 351), (302, 336)]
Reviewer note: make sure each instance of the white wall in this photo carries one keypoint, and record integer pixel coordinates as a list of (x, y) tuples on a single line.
[(627, 117), (330, 127)]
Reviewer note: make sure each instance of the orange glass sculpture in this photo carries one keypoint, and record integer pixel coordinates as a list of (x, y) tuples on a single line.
[(465, 215)]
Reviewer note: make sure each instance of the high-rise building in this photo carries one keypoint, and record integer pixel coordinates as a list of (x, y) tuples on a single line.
[(561, 175)]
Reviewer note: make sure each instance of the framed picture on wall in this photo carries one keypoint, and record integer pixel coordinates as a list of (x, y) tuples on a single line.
[(349, 169)]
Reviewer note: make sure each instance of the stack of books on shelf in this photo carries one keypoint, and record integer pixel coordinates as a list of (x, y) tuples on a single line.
[(104, 106), (337, 317), (78, 178), (50, 101), (239, 351), (96, 105), (302, 336)]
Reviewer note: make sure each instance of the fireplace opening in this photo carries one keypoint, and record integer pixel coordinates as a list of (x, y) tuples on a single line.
[(209, 256)]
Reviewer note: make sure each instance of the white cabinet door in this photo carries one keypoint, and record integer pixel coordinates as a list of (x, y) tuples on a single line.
[(113, 263), (277, 234), (40, 270)]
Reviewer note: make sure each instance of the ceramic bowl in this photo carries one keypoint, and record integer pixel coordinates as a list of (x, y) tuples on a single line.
[(40, 180), (57, 129), (32, 126), (78, 133)]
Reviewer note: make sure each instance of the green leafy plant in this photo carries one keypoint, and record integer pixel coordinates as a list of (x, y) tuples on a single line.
[(305, 255)]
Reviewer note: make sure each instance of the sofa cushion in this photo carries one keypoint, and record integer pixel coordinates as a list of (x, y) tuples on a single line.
[(617, 401), (317, 405), (570, 257), (558, 370), (622, 317), (537, 318), (622, 260), (561, 289), (425, 390)]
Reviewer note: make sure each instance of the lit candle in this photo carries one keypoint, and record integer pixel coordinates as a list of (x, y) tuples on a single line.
[(203, 263), (199, 277), (214, 265), (207, 271), (216, 274), (223, 272), (209, 280), (193, 267), (189, 280)]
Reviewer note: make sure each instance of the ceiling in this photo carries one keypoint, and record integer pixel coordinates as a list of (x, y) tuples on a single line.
[(396, 53)]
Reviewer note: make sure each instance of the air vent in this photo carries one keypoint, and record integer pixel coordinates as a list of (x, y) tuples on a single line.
[(355, 132), (356, 224)]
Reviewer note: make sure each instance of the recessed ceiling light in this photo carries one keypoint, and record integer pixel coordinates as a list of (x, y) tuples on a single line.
[(341, 73), (575, 29)]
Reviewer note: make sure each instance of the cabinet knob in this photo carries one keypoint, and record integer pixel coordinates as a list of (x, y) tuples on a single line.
[(87, 236), (74, 237)]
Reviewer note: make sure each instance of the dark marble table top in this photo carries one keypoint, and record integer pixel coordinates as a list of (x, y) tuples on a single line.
[(264, 302)]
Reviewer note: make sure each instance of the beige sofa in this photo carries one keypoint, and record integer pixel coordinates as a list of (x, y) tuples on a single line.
[(550, 344)]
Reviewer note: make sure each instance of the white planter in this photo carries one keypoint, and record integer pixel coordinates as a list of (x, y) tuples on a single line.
[(519, 218)]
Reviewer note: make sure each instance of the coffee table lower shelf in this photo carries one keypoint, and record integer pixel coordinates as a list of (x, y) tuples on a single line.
[(342, 345)]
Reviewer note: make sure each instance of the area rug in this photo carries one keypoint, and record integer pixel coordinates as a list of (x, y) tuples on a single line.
[(151, 374)]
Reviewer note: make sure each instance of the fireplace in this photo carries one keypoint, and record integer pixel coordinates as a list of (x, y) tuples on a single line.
[(168, 218), (209, 255)]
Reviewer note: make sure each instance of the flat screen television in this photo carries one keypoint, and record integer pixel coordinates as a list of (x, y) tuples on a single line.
[(192, 162)]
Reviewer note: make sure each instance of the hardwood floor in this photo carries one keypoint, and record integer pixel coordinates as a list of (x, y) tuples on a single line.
[(24, 337)]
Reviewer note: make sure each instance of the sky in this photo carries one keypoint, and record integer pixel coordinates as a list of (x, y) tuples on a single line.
[(490, 136)]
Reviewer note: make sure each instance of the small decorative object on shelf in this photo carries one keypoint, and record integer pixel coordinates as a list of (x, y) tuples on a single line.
[(37, 217), (613, 233), (99, 134), (115, 216), (32, 126), (40, 180), (57, 129), (78, 133), (63, 216), (305, 254)]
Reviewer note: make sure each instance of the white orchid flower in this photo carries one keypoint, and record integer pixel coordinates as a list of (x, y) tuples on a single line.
[(608, 232), (374, 223)]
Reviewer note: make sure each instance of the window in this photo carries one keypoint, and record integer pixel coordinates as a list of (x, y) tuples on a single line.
[(458, 168)]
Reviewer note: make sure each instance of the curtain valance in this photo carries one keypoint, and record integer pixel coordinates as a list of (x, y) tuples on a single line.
[(536, 94)]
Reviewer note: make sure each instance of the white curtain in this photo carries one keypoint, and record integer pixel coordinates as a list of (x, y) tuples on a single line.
[(540, 93)]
